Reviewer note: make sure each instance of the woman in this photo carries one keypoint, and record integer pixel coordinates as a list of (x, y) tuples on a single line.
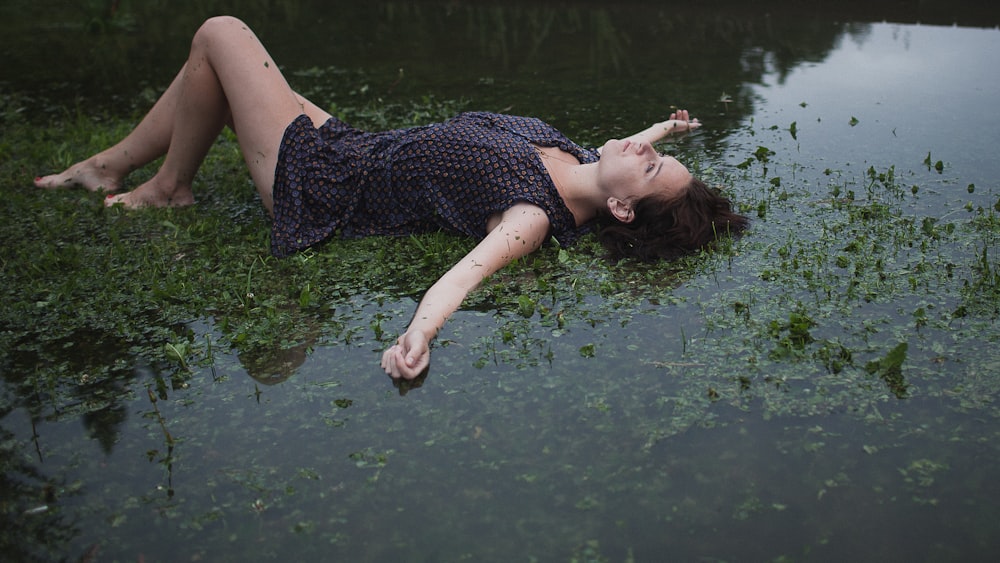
[(512, 182)]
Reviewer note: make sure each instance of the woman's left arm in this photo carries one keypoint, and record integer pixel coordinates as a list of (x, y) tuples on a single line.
[(521, 231), (680, 121)]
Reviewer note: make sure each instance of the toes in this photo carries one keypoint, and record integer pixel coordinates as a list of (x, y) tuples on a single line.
[(114, 199), (82, 175), (45, 182)]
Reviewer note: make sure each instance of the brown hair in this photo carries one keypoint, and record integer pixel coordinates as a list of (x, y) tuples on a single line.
[(667, 227)]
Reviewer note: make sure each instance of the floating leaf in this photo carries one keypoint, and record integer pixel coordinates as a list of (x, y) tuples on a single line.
[(763, 154), (890, 370)]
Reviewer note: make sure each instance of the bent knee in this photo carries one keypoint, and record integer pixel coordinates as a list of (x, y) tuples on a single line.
[(224, 21), (219, 27)]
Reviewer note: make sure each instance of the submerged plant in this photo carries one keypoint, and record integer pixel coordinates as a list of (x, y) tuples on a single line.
[(890, 370)]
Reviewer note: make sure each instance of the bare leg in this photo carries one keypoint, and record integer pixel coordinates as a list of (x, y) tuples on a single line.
[(228, 78), (106, 170)]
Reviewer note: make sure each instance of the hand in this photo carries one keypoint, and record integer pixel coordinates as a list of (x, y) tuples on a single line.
[(409, 357), (681, 121)]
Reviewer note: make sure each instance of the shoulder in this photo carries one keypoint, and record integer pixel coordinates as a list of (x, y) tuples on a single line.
[(522, 229)]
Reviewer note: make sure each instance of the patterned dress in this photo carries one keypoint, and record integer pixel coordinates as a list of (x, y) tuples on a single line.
[(449, 176)]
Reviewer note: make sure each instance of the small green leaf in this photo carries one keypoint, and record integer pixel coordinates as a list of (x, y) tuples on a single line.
[(525, 306), (305, 296)]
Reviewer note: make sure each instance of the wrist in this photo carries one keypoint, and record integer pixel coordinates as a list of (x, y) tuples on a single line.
[(428, 332)]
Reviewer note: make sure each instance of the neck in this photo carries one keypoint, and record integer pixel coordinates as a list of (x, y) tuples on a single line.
[(577, 185)]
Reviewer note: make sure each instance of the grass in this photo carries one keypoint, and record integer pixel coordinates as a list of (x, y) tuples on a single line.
[(846, 297), (83, 278)]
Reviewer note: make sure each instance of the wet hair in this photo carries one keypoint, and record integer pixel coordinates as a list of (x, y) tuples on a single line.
[(668, 227)]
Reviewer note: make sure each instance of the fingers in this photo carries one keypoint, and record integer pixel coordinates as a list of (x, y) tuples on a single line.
[(686, 122), (387, 360), (407, 359), (394, 363), (681, 115)]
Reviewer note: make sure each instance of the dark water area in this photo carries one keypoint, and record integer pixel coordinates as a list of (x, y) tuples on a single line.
[(573, 57), (752, 410)]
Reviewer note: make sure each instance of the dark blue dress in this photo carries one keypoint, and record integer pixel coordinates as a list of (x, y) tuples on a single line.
[(449, 176)]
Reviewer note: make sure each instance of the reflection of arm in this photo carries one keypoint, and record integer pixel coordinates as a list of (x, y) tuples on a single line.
[(521, 230)]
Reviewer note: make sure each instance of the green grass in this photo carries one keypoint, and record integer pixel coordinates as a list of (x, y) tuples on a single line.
[(84, 285), (831, 283), (847, 297)]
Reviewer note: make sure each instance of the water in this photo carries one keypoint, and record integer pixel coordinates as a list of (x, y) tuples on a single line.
[(686, 425)]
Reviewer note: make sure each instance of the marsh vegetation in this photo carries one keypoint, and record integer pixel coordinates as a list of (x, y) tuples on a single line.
[(823, 389)]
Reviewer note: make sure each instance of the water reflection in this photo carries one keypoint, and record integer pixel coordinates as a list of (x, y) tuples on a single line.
[(82, 375), (543, 456), (572, 57), (566, 63), (31, 525)]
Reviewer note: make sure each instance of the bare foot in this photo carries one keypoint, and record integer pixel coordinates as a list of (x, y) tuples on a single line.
[(89, 174), (151, 194)]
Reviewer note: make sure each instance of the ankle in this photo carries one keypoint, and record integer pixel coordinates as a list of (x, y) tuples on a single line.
[(106, 165)]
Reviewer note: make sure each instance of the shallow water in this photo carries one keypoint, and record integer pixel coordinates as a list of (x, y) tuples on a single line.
[(696, 423)]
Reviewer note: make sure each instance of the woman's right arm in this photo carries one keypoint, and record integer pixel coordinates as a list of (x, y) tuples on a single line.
[(521, 231)]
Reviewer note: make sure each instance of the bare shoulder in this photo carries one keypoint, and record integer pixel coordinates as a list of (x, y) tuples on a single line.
[(523, 213), (515, 233), (525, 222)]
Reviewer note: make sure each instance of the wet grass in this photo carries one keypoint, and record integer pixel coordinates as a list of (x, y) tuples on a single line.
[(79, 276), (859, 317)]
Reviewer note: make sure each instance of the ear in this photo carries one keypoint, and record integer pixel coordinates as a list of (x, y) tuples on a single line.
[(621, 210)]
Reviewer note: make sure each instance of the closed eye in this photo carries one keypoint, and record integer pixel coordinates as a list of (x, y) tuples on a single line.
[(654, 165)]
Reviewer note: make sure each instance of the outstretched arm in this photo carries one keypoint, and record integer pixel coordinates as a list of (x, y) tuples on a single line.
[(680, 121), (521, 231)]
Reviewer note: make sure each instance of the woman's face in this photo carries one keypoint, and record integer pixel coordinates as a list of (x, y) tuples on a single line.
[(630, 171)]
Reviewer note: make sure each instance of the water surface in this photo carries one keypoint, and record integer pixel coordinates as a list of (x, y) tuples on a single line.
[(749, 409)]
